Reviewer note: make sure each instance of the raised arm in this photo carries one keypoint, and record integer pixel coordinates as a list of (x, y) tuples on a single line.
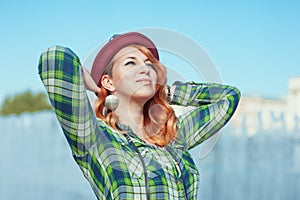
[(214, 106), (61, 73)]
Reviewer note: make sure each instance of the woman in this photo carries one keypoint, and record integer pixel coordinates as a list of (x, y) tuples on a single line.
[(132, 146)]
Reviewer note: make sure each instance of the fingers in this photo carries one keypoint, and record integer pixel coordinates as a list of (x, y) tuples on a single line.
[(89, 81)]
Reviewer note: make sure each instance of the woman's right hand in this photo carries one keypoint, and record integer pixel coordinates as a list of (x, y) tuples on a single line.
[(89, 81)]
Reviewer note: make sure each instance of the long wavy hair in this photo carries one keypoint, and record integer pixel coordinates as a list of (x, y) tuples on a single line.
[(159, 124)]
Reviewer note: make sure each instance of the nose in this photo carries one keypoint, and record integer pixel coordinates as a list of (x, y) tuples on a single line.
[(144, 69)]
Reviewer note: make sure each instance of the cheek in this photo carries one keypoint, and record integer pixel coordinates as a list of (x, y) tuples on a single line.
[(155, 77), (118, 73), (122, 78)]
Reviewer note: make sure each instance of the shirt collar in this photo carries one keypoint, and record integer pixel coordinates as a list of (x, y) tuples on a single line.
[(126, 128)]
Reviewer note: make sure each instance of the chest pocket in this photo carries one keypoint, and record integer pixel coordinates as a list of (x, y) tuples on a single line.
[(164, 164), (133, 163)]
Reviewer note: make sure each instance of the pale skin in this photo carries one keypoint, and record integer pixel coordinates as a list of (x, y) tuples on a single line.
[(133, 82)]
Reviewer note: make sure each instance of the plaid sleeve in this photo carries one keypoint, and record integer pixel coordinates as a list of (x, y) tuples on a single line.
[(214, 106), (60, 71)]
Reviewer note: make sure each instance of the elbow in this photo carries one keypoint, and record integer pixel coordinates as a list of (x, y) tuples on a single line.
[(235, 97)]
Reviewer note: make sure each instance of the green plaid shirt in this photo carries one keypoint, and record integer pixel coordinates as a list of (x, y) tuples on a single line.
[(107, 160)]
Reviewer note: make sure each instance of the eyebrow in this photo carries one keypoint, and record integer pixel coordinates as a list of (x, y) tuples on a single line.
[(131, 57)]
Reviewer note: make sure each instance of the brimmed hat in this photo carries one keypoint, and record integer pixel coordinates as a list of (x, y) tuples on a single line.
[(116, 43)]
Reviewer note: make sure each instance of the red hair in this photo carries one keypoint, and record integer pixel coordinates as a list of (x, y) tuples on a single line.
[(159, 118)]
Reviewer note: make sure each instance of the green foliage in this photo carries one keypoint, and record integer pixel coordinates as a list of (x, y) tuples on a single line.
[(25, 102)]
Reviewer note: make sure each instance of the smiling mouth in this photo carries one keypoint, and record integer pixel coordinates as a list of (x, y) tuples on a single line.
[(145, 81)]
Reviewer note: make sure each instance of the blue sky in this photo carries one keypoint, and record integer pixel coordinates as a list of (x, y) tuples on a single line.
[(254, 45)]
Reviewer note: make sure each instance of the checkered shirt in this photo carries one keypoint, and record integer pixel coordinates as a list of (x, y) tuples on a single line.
[(107, 160)]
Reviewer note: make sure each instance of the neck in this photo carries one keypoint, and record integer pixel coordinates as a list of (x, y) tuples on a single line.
[(131, 113)]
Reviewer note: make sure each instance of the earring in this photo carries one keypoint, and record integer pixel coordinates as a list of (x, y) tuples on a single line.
[(111, 102)]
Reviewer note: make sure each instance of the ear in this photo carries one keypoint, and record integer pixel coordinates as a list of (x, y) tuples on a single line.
[(107, 83)]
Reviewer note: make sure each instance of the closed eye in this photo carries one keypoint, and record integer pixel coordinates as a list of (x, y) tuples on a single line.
[(129, 63), (149, 65)]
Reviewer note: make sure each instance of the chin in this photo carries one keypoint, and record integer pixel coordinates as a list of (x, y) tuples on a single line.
[(145, 94)]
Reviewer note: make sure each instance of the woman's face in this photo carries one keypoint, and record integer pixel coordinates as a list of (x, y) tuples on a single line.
[(133, 75)]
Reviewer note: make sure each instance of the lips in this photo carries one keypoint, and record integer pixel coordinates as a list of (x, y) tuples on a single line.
[(144, 80)]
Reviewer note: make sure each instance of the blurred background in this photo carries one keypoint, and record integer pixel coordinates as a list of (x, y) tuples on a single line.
[(254, 46)]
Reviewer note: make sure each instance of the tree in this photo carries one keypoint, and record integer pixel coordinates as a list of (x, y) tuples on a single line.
[(25, 102)]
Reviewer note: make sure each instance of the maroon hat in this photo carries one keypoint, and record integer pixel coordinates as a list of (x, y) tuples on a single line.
[(116, 43)]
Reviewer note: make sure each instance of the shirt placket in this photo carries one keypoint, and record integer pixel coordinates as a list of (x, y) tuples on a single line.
[(178, 175)]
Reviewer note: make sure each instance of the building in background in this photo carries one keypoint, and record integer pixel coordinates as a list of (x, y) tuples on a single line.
[(256, 113)]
